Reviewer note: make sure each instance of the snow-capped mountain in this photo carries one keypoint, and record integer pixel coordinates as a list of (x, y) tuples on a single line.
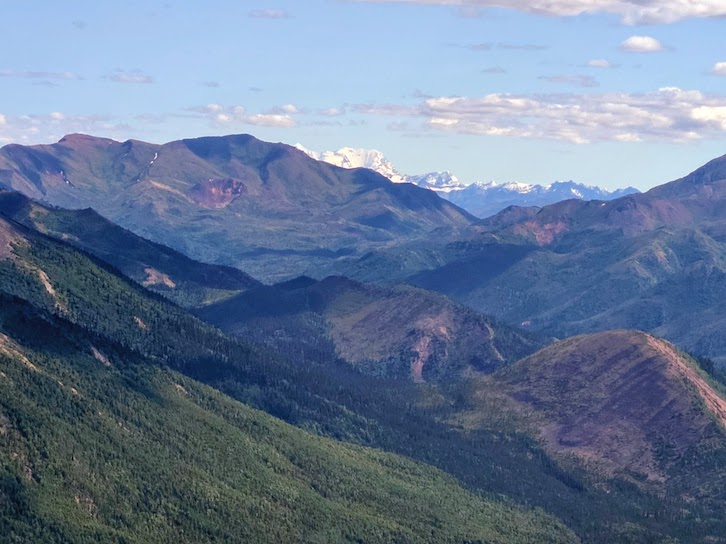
[(485, 199), (441, 182), (347, 157), (479, 198)]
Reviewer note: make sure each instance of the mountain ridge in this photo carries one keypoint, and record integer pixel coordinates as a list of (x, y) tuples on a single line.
[(393, 332), (482, 199), (277, 211)]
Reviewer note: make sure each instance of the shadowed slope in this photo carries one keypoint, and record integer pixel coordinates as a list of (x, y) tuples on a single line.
[(396, 332), (155, 266)]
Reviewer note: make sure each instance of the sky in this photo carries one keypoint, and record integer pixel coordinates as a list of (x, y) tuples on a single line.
[(603, 92)]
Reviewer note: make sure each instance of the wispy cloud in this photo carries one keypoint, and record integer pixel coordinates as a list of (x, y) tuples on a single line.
[(220, 115), (668, 114), (600, 63), (572, 79), (271, 120), (32, 74), (719, 69), (641, 44), (133, 76), (489, 46), (494, 70), (52, 126), (269, 13), (631, 12)]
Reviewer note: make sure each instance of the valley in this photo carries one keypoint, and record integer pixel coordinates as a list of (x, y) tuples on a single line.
[(363, 272), (396, 372)]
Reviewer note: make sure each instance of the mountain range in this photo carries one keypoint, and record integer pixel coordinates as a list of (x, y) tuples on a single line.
[(110, 364), (481, 199), (104, 441), (429, 390)]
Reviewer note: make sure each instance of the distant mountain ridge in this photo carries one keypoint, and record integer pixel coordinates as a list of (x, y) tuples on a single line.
[(654, 261), (277, 212), (479, 198)]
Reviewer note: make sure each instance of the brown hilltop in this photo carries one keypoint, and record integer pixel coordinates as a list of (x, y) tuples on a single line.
[(624, 399)]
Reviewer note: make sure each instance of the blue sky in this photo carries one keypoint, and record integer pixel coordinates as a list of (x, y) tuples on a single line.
[(607, 92)]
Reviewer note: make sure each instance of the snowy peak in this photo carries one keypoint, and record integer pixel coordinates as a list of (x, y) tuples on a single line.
[(444, 182), (348, 157), (480, 198), (485, 199)]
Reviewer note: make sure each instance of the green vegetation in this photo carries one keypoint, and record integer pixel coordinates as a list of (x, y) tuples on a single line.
[(310, 388), (157, 267), (111, 448), (379, 330)]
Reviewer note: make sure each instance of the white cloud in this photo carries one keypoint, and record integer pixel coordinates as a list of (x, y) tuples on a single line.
[(220, 115), (711, 115), (668, 114), (599, 63), (719, 69), (641, 44), (630, 11), (134, 76), (285, 109), (32, 74), (332, 112), (37, 128), (269, 14), (271, 120)]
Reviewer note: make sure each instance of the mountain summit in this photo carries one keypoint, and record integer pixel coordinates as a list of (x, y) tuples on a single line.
[(274, 210)]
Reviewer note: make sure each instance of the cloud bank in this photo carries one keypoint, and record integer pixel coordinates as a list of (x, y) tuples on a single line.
[(630, 12), (668, 114)]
